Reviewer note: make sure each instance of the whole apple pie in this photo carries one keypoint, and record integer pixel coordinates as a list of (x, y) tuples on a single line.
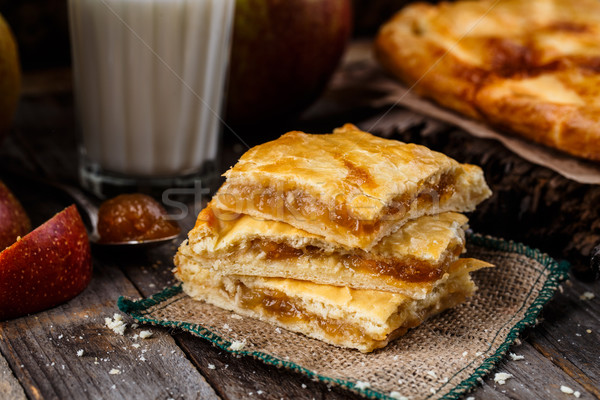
[(531, 67)]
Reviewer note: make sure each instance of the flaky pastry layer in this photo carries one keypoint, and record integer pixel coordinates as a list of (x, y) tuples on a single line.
[(350, 187), (411, 261), (359, 319), (531, 67)]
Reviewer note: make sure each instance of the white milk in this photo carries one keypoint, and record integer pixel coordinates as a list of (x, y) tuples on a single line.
[(149, 82)]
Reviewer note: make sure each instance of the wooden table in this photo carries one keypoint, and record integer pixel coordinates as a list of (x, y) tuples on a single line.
[(38, 353)]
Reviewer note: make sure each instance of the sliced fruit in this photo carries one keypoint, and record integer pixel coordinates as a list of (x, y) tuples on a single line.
[(49, 266)]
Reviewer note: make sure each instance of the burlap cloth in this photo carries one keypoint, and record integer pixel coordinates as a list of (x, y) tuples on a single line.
[(442, 358)]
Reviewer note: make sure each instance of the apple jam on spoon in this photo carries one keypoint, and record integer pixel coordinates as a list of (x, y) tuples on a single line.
[(134, 218), (131, 220)]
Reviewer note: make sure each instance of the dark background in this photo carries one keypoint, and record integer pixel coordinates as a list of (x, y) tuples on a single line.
[(42, 30)]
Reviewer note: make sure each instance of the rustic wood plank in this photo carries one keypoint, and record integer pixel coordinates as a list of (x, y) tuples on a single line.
[(9, 385), (235, 378), (534, 377), (570, 333), (42, 350)]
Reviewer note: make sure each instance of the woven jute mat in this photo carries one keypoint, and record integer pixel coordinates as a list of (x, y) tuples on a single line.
[(441, 359)]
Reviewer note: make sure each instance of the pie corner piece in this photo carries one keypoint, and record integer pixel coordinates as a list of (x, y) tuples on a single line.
[(528, 67), (351, 187)]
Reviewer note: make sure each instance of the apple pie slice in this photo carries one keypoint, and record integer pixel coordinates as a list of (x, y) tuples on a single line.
[(350, 187), (411, 261), (360, 319)]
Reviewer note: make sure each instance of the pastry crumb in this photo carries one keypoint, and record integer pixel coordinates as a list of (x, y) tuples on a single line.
[(566, 389), (516, 357), (576, 394), (116, 324), (360, 385), (211, 366), (237, 345), (587, 296), (501, 377), (145, 334), (397, 396), (80, 353), (115, 371)]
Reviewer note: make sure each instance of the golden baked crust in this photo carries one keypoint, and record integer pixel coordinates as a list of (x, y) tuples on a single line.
[(531, 67), (350, 187), (411, 261), (360, 319)]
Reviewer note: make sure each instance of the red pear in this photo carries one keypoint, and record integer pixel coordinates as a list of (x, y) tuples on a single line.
[(14, 221), (49, 266)]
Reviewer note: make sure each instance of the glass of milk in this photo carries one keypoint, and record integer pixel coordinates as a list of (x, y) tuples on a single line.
[(149, 83)]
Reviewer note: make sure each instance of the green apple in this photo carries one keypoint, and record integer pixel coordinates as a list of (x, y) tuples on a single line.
[(283, 54)]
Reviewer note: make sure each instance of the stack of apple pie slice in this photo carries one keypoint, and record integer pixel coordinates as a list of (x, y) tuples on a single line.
[(347, 238)]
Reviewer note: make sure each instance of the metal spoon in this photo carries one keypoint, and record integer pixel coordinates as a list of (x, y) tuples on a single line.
[(91, 210)]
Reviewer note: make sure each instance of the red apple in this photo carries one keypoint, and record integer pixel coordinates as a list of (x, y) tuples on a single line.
[(283, 54), (49, 266), (14, 221)]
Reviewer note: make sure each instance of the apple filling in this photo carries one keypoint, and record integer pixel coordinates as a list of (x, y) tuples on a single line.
[(360, 319), (408, 269), (289, 204), (286, 311)]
